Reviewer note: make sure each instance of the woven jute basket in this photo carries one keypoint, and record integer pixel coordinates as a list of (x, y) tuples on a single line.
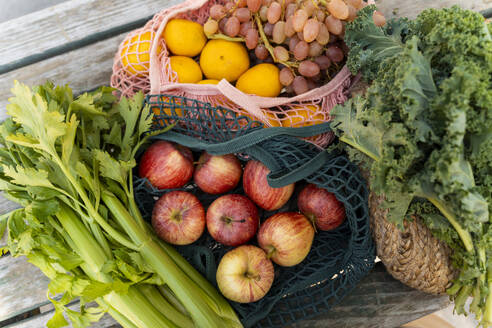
[(413, 255)]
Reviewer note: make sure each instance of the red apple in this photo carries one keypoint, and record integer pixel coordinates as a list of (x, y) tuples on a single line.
[(321, 207), (256, 187), (232, 219), (167, 165), (245, 274), (286, 238), (178, 217), (217, 174)]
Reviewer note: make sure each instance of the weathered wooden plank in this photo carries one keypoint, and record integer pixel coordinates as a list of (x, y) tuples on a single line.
[(22, 287), (40, 320), (70, 25), (84, 69), (397, 8), (378, 301)]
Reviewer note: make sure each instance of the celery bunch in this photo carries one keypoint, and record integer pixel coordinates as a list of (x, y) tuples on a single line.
[(68, 161)]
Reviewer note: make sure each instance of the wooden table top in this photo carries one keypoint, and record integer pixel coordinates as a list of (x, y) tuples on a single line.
[(75, 42)]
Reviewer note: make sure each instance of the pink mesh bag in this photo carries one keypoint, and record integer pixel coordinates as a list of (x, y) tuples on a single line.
[(135, 70)]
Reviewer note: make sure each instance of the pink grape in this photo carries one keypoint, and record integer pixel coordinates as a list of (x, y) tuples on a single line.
[(217, 12), (253, 5), (286, 77), (300, 35), (280, 53), (228, 6), (261, 52), (245, 27), (308, 68), (278, 33), (290, 10), (309, 7), (354, 3), (268, 29), (300, 85), (323, 62), (311, 30), (210, 27), (334, 53), (232, 26), (267, 2), (222, 23), (334, 25), (323, 35), (315, 49), (251, 38), (243, 14), (288, 28), (293, 42), (378, 18), (301, 50), (311, 84), (338, 8), (263, 13), (300, 18), (320, 15), (352, 13), (274, 12)]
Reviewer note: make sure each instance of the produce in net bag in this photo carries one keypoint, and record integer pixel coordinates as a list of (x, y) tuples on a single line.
[(279, 64), (282, 175)]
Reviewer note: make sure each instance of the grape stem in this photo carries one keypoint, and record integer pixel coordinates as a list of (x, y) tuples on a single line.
[(269, 46), (226, 37)]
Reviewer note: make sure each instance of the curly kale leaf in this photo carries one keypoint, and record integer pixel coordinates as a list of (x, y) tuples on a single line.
[(370, 45)]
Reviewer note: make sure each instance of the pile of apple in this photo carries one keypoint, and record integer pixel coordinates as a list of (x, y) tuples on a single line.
[(245, 274)]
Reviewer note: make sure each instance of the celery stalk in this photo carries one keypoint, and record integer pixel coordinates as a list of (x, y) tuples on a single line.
[(172, 299), (137, 309), (159, 302), (184, 288), (120, 318)]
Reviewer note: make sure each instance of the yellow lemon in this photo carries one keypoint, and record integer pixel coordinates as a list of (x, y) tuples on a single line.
[(261, 80), (135, 53), (184, 37), (187, 69), (298, 116), (208, 82), (271, 118), (221, 59)]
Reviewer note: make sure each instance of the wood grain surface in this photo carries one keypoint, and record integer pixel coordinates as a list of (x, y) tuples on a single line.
[(84, 69), (22, 287), (69, 24), (411, 8)]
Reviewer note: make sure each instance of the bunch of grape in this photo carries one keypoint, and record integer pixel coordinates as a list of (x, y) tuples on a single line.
[(303, 37)]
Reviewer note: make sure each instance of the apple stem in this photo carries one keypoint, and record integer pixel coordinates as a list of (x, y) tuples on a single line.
[(229, 220), (270, 252), (312, 219), (252, 276), (176, 216)]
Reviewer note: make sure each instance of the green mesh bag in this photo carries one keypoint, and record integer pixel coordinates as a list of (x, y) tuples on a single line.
[(338, 259)]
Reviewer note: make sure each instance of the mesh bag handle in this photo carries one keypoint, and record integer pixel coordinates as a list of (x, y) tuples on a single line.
[(247, 144)]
